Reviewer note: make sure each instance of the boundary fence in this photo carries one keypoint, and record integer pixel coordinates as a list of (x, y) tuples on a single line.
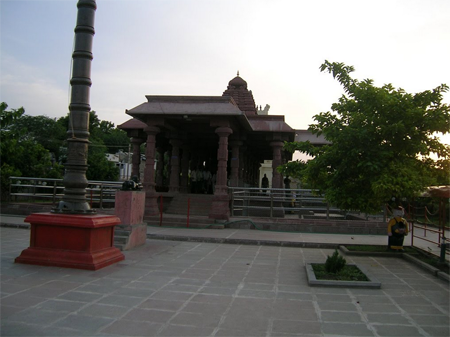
[(247, 202), (98, 193), (307, 203)]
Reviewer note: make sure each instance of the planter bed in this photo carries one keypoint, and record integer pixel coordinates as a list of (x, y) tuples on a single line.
[(313, 281)]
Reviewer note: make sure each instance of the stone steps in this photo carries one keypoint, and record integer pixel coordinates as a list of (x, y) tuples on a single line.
[(179, 221), (199, 204)]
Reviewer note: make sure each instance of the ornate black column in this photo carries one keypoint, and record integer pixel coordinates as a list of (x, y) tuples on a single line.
[(75, 182)]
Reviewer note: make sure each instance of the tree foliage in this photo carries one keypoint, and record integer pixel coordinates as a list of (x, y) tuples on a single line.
[(36, 146), (21, 153), (382, 140)]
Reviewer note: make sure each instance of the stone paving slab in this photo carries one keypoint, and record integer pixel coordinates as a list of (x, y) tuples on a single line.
[(182, 288)]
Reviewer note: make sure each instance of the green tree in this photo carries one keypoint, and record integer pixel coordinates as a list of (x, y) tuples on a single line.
[(99, 168), (382, 140), (21, 154), (44, 130), (104, 138)]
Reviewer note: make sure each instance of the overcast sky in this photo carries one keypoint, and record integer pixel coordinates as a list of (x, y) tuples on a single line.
[(195, 47)]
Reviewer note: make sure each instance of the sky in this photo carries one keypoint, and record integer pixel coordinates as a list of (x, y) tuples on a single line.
[(195, 47)]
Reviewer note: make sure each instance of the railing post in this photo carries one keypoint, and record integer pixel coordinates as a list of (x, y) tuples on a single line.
[(54, 192), (10, 189), (443, 251), (271, 203), (101, 197)]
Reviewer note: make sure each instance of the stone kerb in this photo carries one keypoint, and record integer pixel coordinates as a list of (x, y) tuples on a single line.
[(313, 226), (130, 207), (373, 283)]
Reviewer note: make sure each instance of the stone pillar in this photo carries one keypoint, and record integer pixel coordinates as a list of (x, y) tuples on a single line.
[(160, 167), (74, 199), (184, 180), (73, 236), (174, 182), (277, 181), (136, 159), (222, 160), (220, 208), (151, 205), (234, 176)]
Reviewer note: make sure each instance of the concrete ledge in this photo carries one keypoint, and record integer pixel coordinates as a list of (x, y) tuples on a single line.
[(15, 225), (443, 276), (356, 253), (421, 264), (242, 241), (373, 283), (410, 258)]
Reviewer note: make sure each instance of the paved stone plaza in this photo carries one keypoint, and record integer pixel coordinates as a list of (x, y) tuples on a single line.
[(175, 288)]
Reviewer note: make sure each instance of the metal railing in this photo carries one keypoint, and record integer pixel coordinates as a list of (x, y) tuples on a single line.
[(98, 193), (246, 201)]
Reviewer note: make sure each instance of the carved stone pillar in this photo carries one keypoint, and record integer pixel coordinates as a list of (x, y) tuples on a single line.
[(136, 159), (220, 208), (151, 205), (222, 160), (160, 167), (277, 180), (174, 182), (234, 176)]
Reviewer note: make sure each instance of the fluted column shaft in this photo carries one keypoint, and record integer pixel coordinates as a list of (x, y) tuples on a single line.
[(151, 207), (75, 181), (136, 159), (174, 184), (277, 180)]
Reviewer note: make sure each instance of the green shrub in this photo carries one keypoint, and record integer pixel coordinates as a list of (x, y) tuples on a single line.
[(335, 263)]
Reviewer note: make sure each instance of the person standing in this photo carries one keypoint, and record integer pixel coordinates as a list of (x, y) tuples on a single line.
[(264, 183), (397, 230)]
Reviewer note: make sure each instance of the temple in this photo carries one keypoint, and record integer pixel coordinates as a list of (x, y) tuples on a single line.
[(205, 144)]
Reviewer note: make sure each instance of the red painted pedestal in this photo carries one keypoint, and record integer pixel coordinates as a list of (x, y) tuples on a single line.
[(71, 241)]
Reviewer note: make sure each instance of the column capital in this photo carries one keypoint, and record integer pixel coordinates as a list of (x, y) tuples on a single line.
[(151, 130), (224, 131), (276, 143), (137, 140)]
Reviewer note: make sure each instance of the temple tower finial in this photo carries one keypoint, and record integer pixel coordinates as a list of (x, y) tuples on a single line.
[(238, 73)]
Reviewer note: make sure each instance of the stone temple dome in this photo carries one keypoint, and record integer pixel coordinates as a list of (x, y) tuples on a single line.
[(237, 82), (237, 88)]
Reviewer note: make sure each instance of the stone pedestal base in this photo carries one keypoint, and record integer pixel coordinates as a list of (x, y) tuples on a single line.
[(129, 208), (152, 204), (71, 241), (220, 208)]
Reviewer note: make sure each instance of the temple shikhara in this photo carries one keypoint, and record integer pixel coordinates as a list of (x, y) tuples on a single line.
[(205, 144)]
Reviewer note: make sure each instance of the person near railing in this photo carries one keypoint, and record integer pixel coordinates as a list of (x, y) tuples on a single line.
[(264, 183), (397, 230)]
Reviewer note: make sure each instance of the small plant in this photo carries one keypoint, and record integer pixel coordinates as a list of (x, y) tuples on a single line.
[(335, 263)]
